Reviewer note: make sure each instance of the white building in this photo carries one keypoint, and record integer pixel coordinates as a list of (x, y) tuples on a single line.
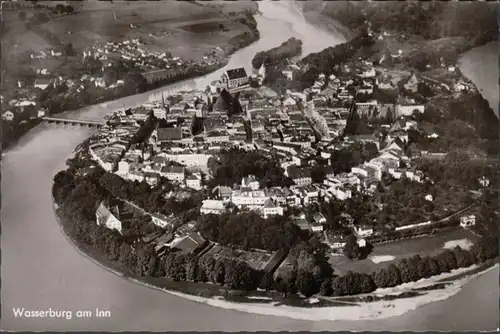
[(251, 199), (407, 110), (42, 83), (212, 206), (363, 230), (250, 182), (159, 220), (8, 116), (234, 78), (100, 82), (271, 209), (317, 228), (173, 173), (160, 113), (106, 218), (466, 221), (193, 182)]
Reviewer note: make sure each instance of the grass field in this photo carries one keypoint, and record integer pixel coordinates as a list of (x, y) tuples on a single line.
[(424, 246), (101, 21)]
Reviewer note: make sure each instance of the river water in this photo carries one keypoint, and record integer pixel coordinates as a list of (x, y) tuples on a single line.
[(484, 73), (41, 270)]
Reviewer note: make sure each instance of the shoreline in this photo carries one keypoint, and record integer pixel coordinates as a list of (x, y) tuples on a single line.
[(341, 311), (328, 24)]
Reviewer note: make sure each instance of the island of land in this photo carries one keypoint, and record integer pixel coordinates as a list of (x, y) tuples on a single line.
[(353, 176)]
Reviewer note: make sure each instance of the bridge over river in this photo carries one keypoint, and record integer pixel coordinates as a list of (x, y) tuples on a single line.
[(75, 122)]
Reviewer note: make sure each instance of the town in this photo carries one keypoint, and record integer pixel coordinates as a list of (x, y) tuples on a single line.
[(348, 168), (69, 73)]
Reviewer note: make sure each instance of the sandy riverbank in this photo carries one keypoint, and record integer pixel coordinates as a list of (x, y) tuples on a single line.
[(363, 311)]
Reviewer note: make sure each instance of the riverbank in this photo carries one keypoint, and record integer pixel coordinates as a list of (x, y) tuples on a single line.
[(329, 24), (380, 304)]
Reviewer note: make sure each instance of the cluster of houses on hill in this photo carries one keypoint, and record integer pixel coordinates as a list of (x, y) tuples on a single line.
[(270, 125)]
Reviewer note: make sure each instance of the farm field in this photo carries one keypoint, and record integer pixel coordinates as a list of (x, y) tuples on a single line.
[(100, 21), (393, 252)]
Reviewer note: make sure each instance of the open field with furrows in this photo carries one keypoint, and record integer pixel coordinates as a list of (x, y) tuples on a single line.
[(393, 252), (98, 21)]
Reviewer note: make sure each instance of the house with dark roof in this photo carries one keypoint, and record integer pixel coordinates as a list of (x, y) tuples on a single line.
[(271, 209), (190, 244), (301, 176), (42, 83), (234, 78), (318, 218), (168, 134)]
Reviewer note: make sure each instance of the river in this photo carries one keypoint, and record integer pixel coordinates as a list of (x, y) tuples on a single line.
[(41, 270), (484, 73)]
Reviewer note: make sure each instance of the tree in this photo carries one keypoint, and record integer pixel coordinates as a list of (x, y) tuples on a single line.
[(353, 283), (485, 248), (306, 284), (219, 272), (326, 287), (68, 9), (351, 249), (134, 82), (464, 258), (267, 281), (68, 50)]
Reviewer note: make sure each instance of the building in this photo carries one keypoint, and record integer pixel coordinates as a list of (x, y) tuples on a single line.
[(100, 82), (190, 244), (223, 193), (250, 182), (211, 206), (301, 176), (8, 116), (336, 242), (316, 227), (193, 182), (159, 220), (466, 221), (271, 209), (363, 230), (160, 113), (249, 198), (234, 78), (318, 218), (408, 110), (105, 217), (168, 135), (173, 173), (42, 83)]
